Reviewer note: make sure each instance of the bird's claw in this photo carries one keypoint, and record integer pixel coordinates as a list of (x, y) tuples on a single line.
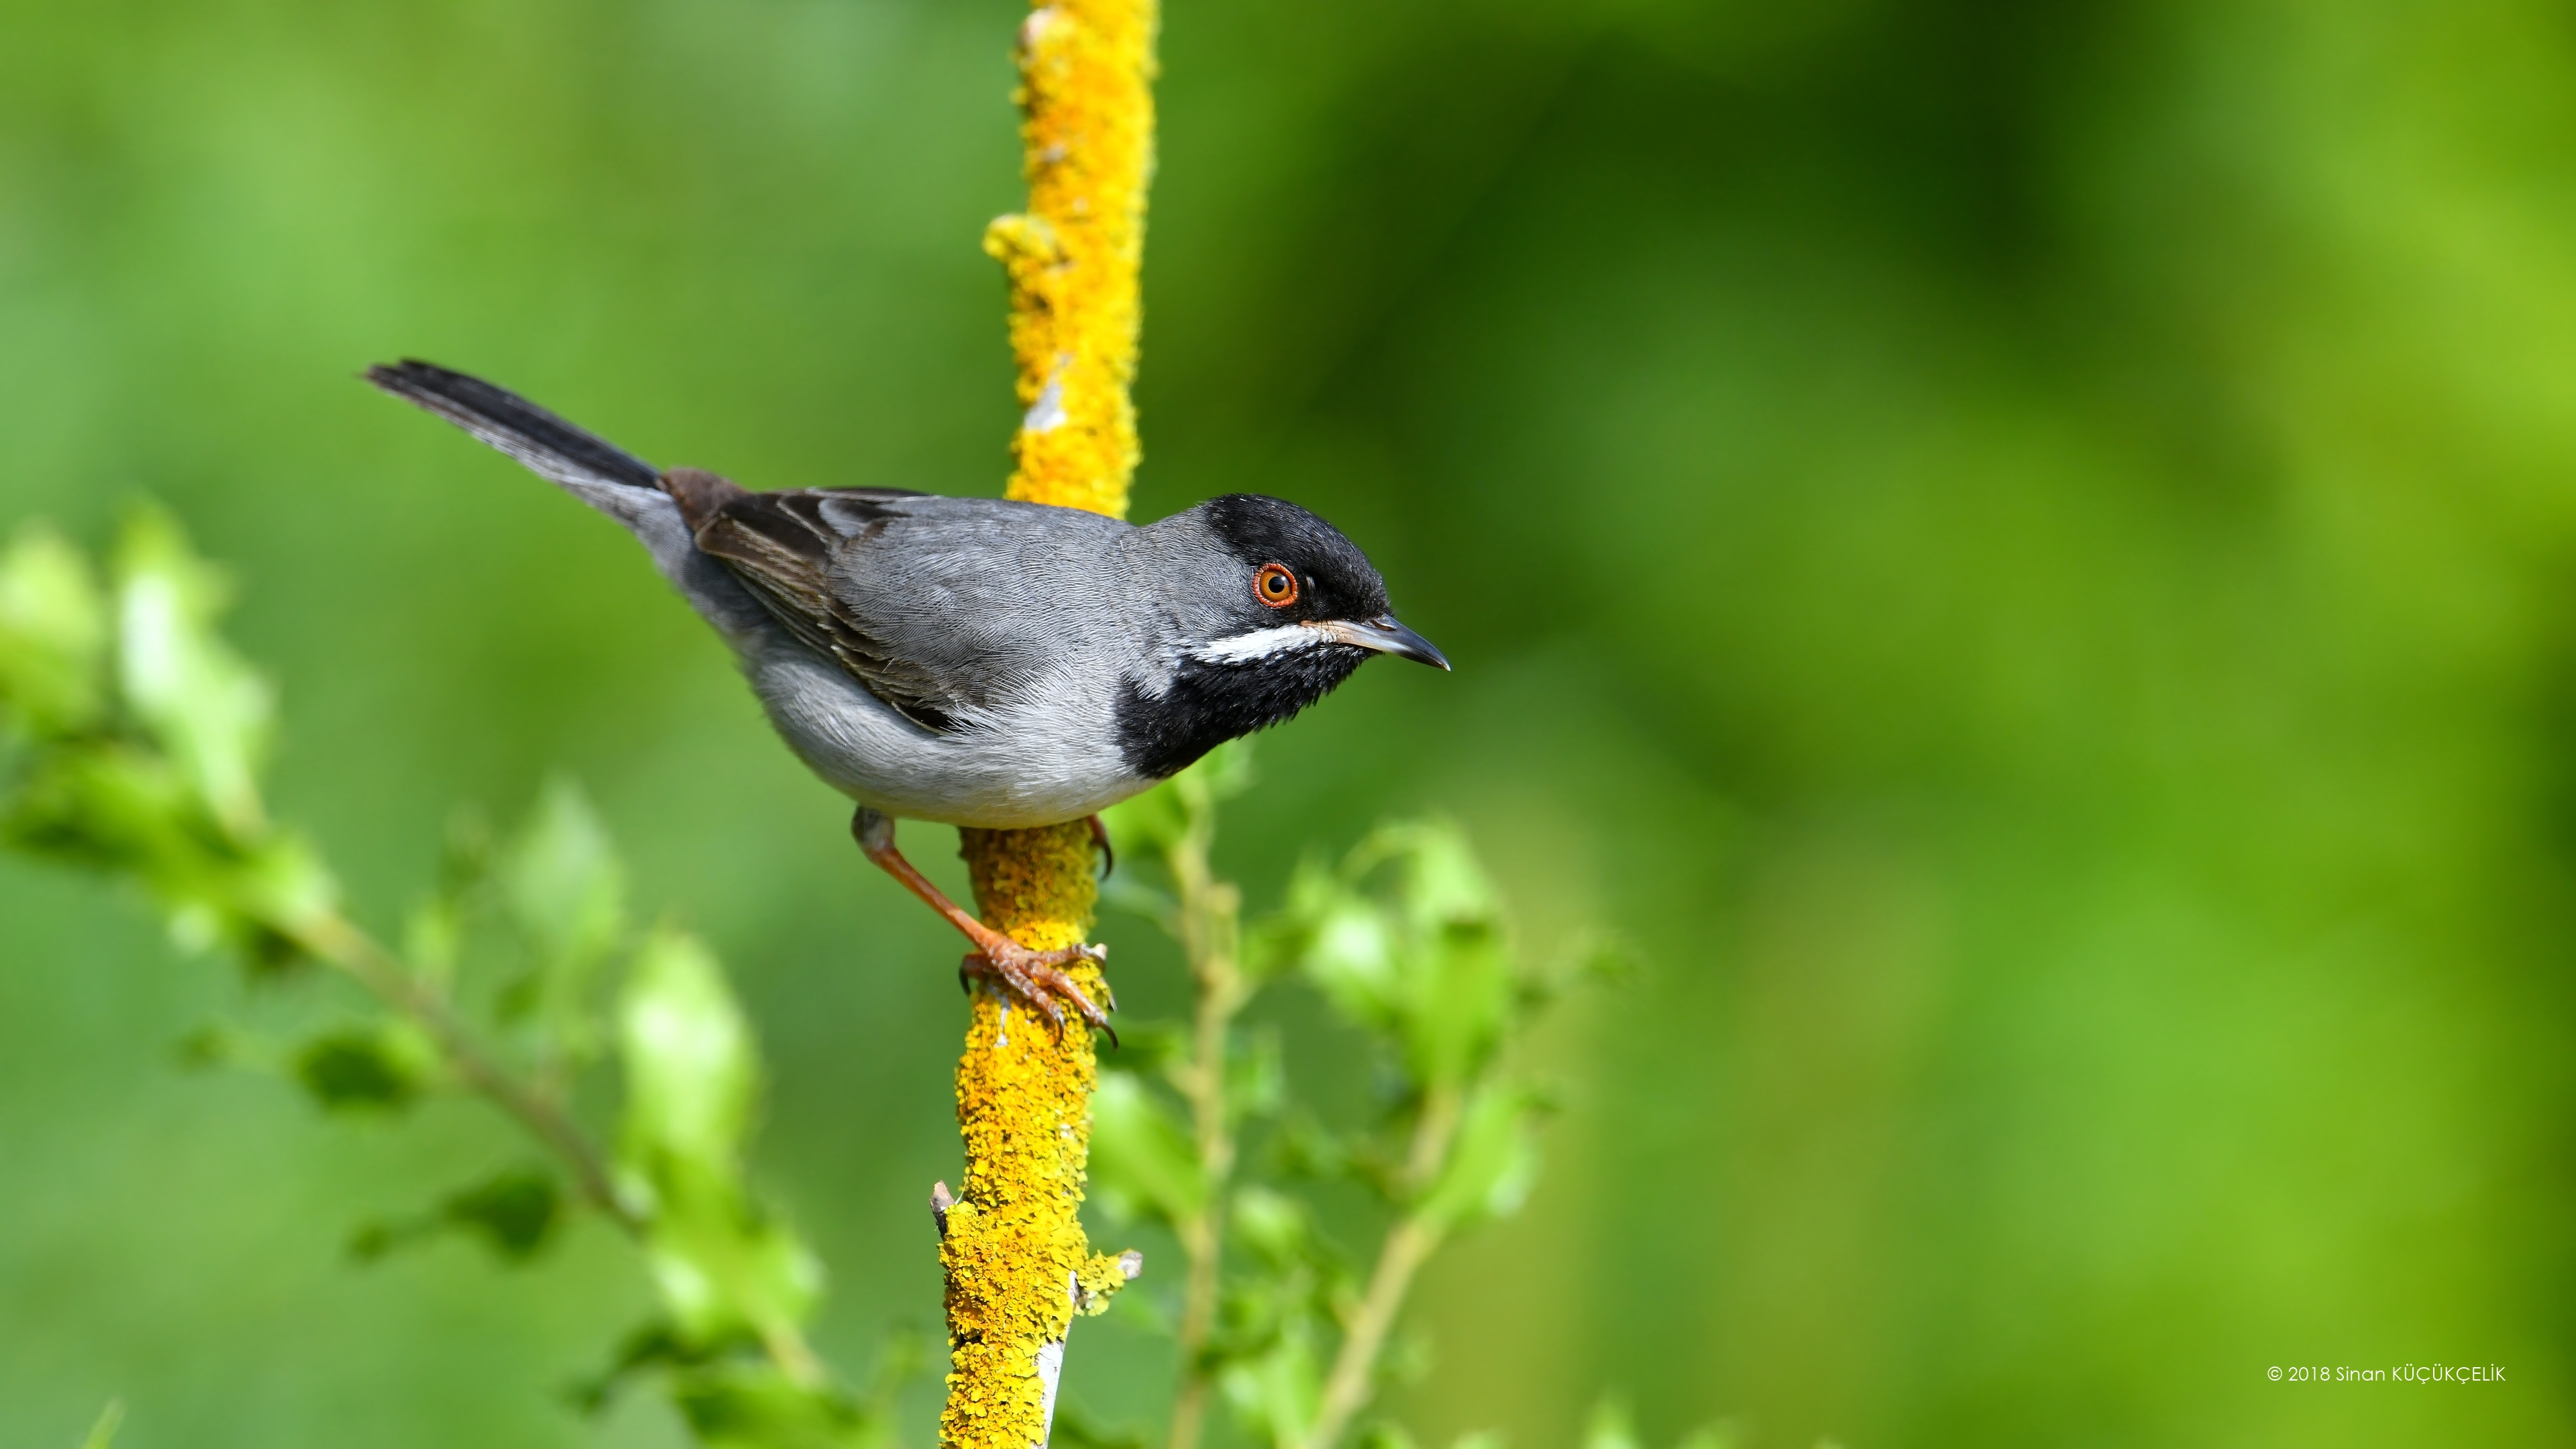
[(1100, 842), (1038, 979)]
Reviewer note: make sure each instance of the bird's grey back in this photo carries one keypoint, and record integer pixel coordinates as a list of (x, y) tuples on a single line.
[(986, 593)]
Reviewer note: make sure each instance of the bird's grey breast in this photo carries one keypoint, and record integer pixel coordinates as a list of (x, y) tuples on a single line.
[(1010, 622)]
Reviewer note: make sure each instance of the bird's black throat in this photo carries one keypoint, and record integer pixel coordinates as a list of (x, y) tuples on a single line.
[(1208, 704)]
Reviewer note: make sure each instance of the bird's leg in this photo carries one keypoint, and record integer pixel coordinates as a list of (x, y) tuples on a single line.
[(1036, 977), (1100, 837)]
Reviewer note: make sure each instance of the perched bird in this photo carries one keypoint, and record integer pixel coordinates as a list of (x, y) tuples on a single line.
[(977, 661)]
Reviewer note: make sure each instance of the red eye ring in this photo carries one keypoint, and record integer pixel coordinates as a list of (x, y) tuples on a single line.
[(1275, 585)]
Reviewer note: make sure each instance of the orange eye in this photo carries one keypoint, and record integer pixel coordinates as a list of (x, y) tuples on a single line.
[(1274, 585)]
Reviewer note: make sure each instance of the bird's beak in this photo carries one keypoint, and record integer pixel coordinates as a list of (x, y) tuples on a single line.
[(1386, 636)]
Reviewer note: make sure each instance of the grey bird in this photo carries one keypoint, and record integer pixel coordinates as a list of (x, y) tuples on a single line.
[(976, 661)]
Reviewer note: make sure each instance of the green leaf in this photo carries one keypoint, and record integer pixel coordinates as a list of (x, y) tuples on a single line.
[(722, 1264), (1277, 1391), (729, 1396), (200, 702), (1406, 939), (691, 1070), (751, 1404), (1272, 1226), (1492, 1161), (1349, 948), (372, 1067), (565, 890), (113, 808), (1459, 982), (1440, 879), (514, 1213), (53, 636), (1142, 1159), (1461, 990)]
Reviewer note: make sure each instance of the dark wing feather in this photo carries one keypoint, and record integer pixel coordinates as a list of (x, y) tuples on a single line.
[(785, 545)]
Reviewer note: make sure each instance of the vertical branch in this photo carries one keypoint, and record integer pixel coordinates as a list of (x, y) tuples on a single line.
[(1086, 98), (1409, 1242), (1209, 910), (1018, 1266), (1017, 1263)]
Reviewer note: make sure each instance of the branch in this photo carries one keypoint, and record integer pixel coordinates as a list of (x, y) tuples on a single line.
[(1208, 913), (332, 938), (1409, 1243), (1018, 1265)]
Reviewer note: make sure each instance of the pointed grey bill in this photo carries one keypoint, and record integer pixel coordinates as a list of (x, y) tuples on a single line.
[(1386, 636)]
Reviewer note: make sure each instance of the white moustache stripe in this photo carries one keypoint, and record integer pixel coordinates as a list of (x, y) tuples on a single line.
[(1260, 644)]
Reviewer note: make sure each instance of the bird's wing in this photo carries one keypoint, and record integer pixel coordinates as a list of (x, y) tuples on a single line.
[(927, 601)]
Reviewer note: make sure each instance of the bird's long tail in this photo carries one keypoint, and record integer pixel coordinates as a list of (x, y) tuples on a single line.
[(593, 470), (548, 445)]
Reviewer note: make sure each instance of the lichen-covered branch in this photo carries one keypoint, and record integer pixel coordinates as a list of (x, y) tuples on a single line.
[(1087, 129), (1018, 1265)]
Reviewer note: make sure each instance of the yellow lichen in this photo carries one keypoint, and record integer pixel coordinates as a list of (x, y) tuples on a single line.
[(1018, 1264), (1087, 133), (1013, 1248)]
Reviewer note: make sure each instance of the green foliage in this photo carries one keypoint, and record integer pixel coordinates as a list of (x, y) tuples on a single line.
[(136, 751), (138, 747), (566, 893), (1404, 939), (1491, 1160), (734, 1399), (1277, 1315), (724, 1265), (210, 713), (378, 1064), (745, 1405), (53, 636), (515, 1213)]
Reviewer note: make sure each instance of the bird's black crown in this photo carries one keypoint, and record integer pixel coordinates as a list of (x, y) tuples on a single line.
[(1336, 580)]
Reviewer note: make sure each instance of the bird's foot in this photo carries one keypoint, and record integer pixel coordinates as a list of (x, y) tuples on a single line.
[(1038, 979)]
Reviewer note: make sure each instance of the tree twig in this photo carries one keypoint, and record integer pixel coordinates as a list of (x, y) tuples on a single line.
[(341, 944), (1209, 913), (1408, 1244)]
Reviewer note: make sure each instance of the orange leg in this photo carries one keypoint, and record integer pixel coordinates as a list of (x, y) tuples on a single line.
[(1036, 977)]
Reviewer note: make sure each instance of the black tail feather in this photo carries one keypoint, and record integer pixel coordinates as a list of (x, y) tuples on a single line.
[(514, 425)]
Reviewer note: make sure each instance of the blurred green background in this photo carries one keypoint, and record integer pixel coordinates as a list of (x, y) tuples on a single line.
[(2024, 549)]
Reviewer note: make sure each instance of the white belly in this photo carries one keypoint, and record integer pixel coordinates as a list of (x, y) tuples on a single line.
[(1050, 759)]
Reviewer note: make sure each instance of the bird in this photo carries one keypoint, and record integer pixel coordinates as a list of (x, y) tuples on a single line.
[(977, 661)]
